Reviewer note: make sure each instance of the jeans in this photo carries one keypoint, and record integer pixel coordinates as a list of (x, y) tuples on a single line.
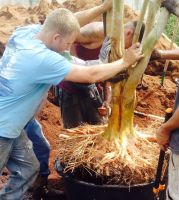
[(16, 154), (173, 178), (41, 146)]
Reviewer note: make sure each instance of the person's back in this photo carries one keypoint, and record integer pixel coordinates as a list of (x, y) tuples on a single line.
[(88, 44), (22, 64)]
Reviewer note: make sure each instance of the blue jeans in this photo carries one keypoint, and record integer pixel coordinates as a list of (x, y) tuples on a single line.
[(17, 156), (41, 146)]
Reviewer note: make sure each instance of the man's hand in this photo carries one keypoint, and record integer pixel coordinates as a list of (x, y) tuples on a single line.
[(163, 137), (108, 107), (105, 109), (156, 55), (132, 55)]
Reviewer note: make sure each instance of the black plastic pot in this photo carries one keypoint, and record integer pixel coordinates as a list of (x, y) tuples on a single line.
[(81, 190)]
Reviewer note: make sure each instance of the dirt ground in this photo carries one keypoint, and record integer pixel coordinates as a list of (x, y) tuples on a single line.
[(153, 100)]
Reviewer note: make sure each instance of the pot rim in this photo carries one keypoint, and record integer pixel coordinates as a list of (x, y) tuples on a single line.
[(59, 169)]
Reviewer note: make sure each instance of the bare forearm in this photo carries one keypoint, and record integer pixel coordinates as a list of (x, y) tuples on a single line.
[(105, 71), (173, 123), (96, 73), (86, 16), (169, 54)]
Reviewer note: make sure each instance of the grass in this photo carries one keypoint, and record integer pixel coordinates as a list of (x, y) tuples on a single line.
[(170, 28)]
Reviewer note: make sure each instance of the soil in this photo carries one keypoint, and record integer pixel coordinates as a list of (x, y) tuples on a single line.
[(153, 100)]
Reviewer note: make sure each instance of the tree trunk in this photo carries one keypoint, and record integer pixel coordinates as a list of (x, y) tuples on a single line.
[(120, 125)]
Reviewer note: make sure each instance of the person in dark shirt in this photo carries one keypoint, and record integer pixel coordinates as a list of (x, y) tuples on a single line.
[(168, 134), (77, 108)]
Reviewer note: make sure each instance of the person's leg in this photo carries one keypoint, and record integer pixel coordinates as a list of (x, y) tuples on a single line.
[(173, 178), (90, 112), (41, 149), (41, 146), (71, 110), (71, 117), (22, 164), (5, 149)]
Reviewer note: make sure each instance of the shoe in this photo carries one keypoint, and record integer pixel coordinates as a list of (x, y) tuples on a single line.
[(42, 191), (47, 193)]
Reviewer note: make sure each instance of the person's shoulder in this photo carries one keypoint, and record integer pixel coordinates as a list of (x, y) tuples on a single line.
[(31, 27), (22, 38), (25, 31)]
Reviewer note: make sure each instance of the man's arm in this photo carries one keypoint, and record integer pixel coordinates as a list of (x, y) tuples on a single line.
[(86, 16), (97, 73), (169, 54), (165, 54), (164, 132)]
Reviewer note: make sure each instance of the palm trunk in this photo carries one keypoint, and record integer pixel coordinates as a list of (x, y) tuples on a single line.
[(140, 22), (117, 49), (120, 126), (154, 5)]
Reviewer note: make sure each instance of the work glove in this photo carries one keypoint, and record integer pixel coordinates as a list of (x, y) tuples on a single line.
[(104, 57)]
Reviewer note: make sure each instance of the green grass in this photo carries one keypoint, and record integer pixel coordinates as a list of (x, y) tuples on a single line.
[(170, 27)]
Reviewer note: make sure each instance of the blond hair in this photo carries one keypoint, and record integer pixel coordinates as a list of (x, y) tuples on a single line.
[(61, 21)]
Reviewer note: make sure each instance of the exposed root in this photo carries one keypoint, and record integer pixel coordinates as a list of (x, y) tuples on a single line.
[(103, 158)]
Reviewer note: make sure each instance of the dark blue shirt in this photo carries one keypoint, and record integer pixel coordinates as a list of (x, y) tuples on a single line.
[(174, 143)]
